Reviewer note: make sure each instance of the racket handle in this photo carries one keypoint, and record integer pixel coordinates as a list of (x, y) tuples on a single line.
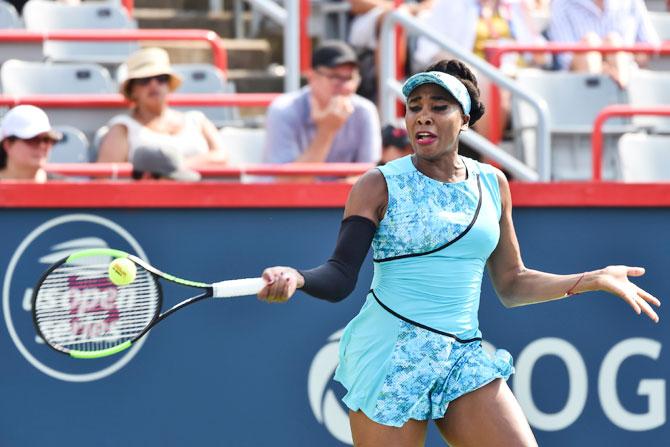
[(238, 287)]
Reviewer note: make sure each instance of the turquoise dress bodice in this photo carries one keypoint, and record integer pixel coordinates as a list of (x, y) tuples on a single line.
[(431, 247)]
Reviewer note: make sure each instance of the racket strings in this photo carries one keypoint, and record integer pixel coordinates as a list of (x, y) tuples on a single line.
[(78, 308)]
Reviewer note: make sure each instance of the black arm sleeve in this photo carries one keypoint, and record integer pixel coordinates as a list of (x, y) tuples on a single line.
[(336, 279)]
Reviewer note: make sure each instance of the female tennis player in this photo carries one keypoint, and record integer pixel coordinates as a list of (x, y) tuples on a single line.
[(434, 220)]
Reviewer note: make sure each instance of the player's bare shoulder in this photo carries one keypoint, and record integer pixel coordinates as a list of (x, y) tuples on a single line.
[(503, 185), (368, 196)]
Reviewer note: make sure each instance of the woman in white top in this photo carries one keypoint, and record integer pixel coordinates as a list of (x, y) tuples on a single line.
[(152, 123), (26, 138)]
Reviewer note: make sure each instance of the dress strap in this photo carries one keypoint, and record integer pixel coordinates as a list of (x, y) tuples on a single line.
[(463, 233), (422, 326)]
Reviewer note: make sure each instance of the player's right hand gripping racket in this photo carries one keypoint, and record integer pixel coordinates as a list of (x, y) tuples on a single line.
[(79, 311)]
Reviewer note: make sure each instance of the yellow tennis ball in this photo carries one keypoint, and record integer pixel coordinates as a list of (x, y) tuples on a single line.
[(122, 271)]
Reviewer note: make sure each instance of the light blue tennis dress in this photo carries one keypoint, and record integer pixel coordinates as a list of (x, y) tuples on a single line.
[(416, 345)]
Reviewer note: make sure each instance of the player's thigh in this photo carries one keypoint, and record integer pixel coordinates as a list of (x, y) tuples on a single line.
[(488, 416), (368, 433)]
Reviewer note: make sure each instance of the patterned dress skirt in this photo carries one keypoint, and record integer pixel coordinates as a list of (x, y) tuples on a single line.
[(394, 371)]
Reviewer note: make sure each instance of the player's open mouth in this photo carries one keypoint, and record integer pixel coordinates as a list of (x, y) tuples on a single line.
[(425, 137)]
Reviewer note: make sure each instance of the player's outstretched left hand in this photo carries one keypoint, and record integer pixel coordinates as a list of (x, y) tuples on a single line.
[(280, 284), (614, 279)]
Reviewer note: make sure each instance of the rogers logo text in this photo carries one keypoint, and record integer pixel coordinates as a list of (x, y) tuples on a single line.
[(325, 405), (43, 246), (616, 406)]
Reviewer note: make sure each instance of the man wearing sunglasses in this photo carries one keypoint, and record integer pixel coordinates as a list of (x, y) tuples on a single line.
[(27, 138), (325, 121)]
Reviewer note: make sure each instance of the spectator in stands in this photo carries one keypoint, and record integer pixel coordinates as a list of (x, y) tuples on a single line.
[(471, 24), (601, 22), (395, 143), (152, 123), (26, 139), (364, 37), (325, 121)]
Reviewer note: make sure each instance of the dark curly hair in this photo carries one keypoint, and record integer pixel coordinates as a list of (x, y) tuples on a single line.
[(461, 71)]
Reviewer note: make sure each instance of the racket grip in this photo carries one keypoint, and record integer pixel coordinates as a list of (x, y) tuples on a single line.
[(238, 287)]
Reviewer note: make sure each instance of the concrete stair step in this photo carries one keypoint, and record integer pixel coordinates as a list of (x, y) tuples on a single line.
[(252, 81), (185, 5), (220, 22), (251, 54), (160, 4), (248, 53)]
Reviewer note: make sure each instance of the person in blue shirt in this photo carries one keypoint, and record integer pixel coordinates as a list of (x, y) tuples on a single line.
[(325, 121), (435, 220)]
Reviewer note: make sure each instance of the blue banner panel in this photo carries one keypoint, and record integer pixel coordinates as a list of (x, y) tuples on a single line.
[(239, 372)]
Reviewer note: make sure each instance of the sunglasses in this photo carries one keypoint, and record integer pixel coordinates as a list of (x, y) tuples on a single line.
[(333, 77), (36, 141), (161, 79)]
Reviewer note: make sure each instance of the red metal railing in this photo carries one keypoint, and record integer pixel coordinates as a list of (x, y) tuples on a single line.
[(100, 194), (495, 51), (129, 5), (305, 43), (219, 54), (113, 100), (124, 170), (607, 113), (400, 57)]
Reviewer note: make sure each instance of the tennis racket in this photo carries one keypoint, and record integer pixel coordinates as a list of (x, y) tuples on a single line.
[(77, 310)]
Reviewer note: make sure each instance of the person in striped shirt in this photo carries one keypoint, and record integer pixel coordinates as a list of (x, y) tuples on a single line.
[(601, 22)]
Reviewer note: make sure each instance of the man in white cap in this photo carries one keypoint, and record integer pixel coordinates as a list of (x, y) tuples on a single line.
[(26, 137)]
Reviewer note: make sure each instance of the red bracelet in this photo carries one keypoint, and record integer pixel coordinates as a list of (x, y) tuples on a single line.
[(570, 290)]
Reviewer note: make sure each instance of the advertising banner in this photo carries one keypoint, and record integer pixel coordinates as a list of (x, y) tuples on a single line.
[(240, 372)]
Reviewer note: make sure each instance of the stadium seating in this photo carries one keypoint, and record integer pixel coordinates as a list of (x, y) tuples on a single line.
[(9, 18), (243, 145), (96, 140), (43, 15), (30, 78), (26, 78), (644, 158), (11, 49), (657, 5), (574, 101), (206, 78), (329, 19), (650, 88), (661, 22), (73, 148)]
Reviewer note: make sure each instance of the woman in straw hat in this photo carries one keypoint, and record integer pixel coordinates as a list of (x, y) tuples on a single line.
[(152, 123)]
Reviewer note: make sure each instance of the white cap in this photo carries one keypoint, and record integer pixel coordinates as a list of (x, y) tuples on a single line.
[(25, 122)]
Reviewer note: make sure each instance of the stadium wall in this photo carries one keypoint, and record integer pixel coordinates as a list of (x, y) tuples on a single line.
[(244, 373)]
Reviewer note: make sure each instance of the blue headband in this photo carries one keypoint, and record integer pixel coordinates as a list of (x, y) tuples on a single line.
[(444, 80)]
